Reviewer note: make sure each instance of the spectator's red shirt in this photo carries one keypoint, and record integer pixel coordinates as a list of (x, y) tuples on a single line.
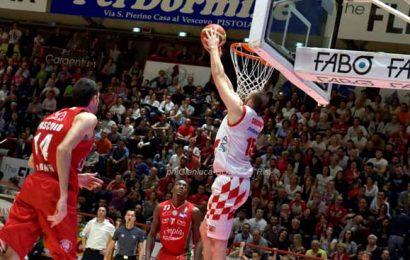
[(109, 99), (335, 215), (339, 128), (186, 130), (117, 186), (297, 207), (193, 163), (163, 183), (201, 140), (198, 199)]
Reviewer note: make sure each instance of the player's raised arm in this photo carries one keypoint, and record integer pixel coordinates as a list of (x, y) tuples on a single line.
[(83, 127), (231, 100)]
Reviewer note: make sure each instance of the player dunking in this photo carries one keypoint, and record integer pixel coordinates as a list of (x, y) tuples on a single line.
[(234, 145), (47, 202), (178, 221)]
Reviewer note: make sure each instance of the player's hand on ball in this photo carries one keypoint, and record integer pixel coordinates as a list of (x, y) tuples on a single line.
[(60, 212), (89, 181), (212, 39)]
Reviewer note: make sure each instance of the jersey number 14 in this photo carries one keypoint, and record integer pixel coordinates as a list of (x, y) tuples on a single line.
[(43, 145)]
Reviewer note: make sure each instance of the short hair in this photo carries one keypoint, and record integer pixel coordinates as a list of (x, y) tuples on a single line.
[(258, 101), (83, 92)]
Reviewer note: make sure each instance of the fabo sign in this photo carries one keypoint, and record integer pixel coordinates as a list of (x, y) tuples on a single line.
[(364, 69)]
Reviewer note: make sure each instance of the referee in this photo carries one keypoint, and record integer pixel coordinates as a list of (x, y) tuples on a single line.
[(96, 235), (129, 239)]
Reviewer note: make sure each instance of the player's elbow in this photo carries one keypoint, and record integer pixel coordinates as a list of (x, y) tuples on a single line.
[(62, 151)]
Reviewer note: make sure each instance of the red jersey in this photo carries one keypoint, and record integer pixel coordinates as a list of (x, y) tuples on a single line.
[(50, 133), (175, 227)]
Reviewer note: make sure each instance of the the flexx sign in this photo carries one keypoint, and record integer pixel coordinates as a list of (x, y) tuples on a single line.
[(366, 69)]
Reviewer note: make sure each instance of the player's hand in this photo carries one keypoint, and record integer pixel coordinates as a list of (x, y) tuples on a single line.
[(60, 212), (212, 39), (89, 181)]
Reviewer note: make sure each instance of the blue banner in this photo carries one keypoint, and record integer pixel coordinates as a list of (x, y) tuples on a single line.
[(232, 14)]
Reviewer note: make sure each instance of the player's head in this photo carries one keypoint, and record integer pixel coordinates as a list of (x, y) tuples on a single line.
[(181, 189), (85, 94), (256, 100)]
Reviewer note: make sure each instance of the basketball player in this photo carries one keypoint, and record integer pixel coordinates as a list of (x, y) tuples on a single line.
[(47, 202), (177, 220), (234, 145)]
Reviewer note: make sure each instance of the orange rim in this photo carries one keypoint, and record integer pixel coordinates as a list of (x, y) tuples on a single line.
[(250, 54)]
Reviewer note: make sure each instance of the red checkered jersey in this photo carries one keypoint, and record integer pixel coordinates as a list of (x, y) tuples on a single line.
[(50, 133), (176, 225), (236, 143)]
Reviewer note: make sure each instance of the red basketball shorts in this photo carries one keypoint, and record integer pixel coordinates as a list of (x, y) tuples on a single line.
[(228, 194), (28, 219)]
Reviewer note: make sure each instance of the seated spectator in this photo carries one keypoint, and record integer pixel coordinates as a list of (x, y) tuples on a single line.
[(150, 179), (372, 247), (49, 103), (118, 109), (116, 184), (118, 159), (316, 251), (141, 168), (113, 135), (127, 129), (257, 239), (185, 132), (258, 222)]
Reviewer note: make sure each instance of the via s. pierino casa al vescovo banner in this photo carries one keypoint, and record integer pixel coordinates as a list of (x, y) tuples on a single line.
[(231, 14)]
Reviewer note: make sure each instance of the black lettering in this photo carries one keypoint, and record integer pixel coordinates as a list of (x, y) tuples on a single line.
[(373, 17), (391, 67), (344, 61), (390, 23), (318, 60), (403, 68), (331, 61)]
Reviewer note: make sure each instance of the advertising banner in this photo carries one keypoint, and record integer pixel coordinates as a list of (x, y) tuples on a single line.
[(201, 74), (365, 69), (25, 5), (231, 14), (12, 167), (367, 22)]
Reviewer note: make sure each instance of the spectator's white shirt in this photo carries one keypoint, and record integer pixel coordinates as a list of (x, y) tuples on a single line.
[(195, 151), (165, 107), (391, 128), (117, 109), (127, 131), (322, 182), (360, 144), (3, 95), (114, 54), (49, 104), (3, 37), (287, 113), (343, 162), (333, 170), (237, 225), (291, 193), (98, 234), (106, 125), (136, 113), (378, 164), (174, 161), (190, 110), (259, 224), (55, 89), (319, 148), (372, 192), (266, 160), (15, 35), (352, 132)]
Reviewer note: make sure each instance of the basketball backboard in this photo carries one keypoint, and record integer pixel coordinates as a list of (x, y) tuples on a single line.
[(279, 27)]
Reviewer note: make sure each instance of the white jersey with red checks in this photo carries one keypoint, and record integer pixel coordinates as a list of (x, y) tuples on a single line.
[(235, 144)]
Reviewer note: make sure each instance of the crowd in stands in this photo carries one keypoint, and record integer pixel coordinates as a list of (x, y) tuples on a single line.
[(330, 181)]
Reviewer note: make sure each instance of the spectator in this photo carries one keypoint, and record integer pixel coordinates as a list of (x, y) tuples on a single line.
[(316, 251), (258, 222), (96, 235)]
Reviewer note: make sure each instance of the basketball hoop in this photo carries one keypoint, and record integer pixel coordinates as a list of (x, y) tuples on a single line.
[(252, 71)]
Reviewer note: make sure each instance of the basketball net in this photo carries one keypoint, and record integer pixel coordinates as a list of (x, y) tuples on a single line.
[(252, 72)]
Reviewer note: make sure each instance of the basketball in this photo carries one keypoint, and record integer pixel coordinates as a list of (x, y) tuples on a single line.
[(219, 30)]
